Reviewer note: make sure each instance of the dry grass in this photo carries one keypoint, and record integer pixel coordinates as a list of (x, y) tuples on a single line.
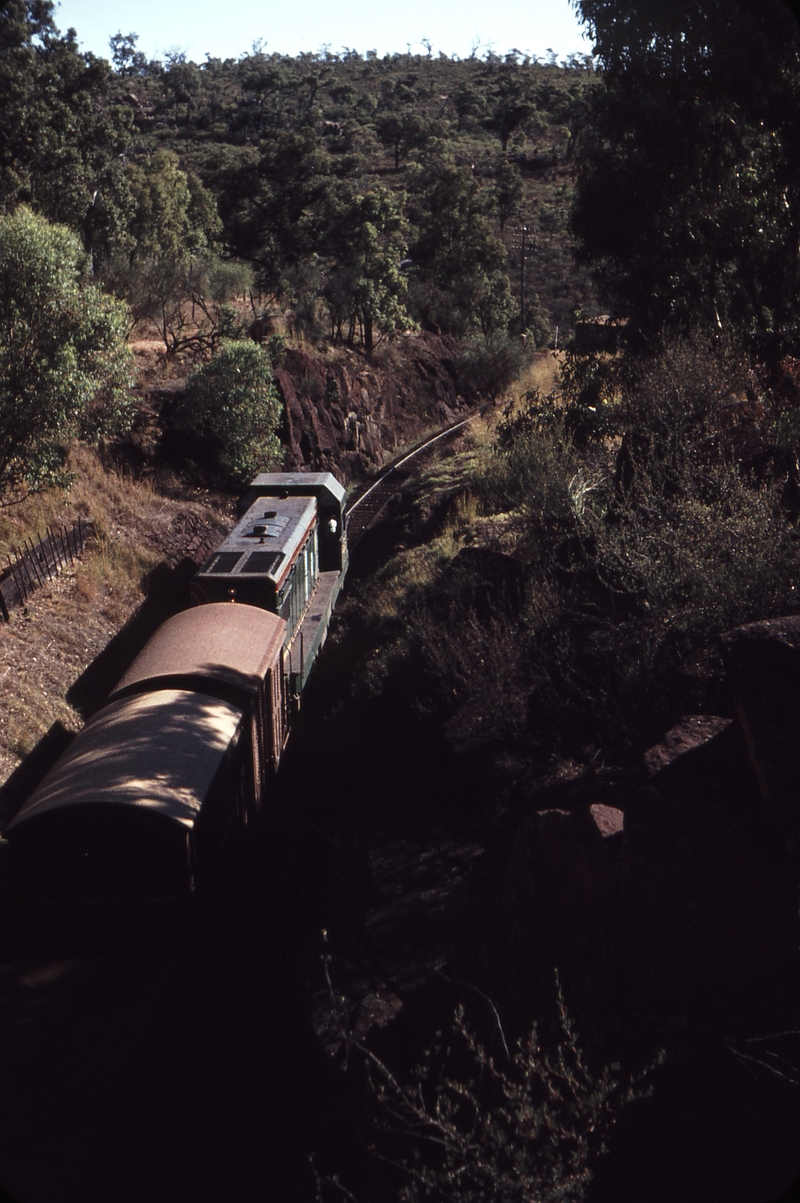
[(112, 576), (45, 647), (42, 651), (96, 495), (542, 374), (105, 496), (30, 518)]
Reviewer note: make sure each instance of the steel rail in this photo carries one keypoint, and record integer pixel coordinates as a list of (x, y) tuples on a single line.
[(422, 447), (378, 500)]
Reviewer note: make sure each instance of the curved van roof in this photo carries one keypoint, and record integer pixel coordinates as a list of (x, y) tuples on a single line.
[(157, 750), (222, 644)]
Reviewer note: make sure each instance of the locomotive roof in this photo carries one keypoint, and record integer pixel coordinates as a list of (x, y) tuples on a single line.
[(266, 552), (228, 645), (157, 750), (323, 485)]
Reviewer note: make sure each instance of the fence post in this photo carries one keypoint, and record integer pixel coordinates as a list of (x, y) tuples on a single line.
[(24, 571), (17, 581), (19, 568), (43, 558), (33, 560), (30, 566), (54, 549)]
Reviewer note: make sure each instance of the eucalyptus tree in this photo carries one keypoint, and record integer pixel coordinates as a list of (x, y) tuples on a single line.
[(459, 276), (65, 366), (365, 284), (60, 127), (688, 199)]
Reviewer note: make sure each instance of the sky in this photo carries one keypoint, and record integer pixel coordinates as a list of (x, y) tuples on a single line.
[(229, 29)]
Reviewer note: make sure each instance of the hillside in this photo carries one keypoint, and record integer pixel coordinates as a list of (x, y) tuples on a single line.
[(392, 122), (334, 193)]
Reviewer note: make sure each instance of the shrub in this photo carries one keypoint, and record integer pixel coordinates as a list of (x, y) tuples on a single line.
[(649, 534), (489, 365), (232, 398), (65, 369), (531, 463), (472, 1125)]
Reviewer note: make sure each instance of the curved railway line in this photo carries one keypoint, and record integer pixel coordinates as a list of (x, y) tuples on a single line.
[(369, 504)]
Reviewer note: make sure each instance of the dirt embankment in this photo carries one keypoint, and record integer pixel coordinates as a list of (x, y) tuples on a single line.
[(62, 652)]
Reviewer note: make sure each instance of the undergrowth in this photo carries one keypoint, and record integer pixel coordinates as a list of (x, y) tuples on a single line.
[(639, 513), (477, 1120)]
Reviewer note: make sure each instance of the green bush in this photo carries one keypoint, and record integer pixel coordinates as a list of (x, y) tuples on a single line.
[(489, 365), (232, 399), (65, 369)]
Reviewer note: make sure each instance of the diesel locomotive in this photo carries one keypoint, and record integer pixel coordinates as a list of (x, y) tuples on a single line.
[(286, 554), (185, 749)]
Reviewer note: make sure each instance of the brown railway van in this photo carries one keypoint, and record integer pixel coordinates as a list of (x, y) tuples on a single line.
[(183, 753), (232, 652)]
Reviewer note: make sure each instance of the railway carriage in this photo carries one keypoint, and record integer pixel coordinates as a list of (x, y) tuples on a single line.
[(182, 755), (118, 817), (233, 653)]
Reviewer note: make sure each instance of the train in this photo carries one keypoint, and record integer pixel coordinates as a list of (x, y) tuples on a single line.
[(185, 750)]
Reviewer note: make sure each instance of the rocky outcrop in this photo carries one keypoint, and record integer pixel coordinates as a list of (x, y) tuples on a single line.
[(556, 906), (343, 412), (347, 414), (683, 893), (763, 661)]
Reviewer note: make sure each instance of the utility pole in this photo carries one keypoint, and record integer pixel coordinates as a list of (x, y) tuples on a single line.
[(526, 246), (522, 277)]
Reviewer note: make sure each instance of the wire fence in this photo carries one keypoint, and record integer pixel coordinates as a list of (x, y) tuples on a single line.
[(29, 566)]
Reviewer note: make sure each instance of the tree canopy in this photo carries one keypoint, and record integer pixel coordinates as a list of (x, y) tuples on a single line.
[(61, 127), (311, 179), (64, 362), (688, 194)]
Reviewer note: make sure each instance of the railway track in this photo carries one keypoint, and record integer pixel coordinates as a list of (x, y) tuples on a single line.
[(362, 512)]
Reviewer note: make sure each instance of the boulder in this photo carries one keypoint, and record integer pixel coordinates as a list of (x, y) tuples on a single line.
[(690, 732), (709, 889), (763, 662), (557, 900), (607, 819)]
